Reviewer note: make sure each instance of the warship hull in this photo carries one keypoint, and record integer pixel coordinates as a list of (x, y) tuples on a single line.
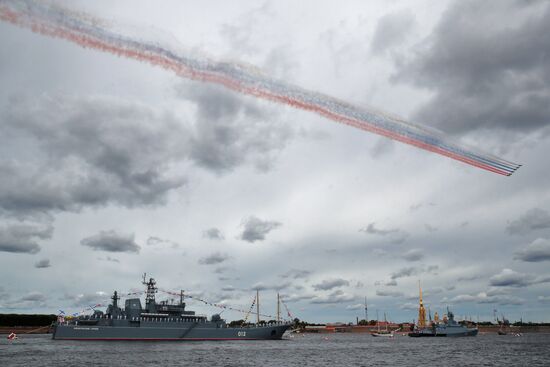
[(167, 332), (430, 333), (160, 321)]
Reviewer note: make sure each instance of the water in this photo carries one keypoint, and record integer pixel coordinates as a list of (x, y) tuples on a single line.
[(309, 350)]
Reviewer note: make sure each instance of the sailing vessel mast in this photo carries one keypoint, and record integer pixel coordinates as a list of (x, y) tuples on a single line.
[(366, 311), (278, 307), (257, 306)]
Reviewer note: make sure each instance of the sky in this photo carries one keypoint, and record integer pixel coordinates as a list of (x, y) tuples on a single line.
[(111, 168)]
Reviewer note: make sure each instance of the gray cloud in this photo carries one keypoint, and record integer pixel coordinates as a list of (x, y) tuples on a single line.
[(110, 259), (221, 269), (395, 235), (532, 220), (486, 63), (297, 297), (391, 30), (510, 278), (389, 283), (87, 299), (157, 241), (538, 250), (88, 152), (255, 229), (44, 263), (21, 237), (274, 286), (214, 258), (357, 306), (414, 254), (418, 206), (213, 234), (96, 151), (488, 298), (3, 293), (410, 271), (388, 293), (233, 129), (382, 147), (337, 296), (409, 306), (29, 300), (469, 278), (111, 241), (33, 297), (296, 274), (330, 284), (430, 228), (405, 272)]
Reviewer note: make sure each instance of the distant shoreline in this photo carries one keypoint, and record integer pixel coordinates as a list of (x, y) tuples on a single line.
[(483, 329)]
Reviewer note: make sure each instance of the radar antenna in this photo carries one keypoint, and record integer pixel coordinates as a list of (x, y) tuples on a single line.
[(150, 294)]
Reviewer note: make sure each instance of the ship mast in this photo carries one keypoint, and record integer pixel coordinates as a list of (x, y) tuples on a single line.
[(115, 299), (421, 310), (257, 306), (278, 307), (366, 311), (150, 305)]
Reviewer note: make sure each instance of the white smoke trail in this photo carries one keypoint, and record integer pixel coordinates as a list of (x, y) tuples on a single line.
[(88, 31)]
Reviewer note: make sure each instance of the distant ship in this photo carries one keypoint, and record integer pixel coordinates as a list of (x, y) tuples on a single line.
[(504, 328), (159, 321), (448, 327), (382, 333)]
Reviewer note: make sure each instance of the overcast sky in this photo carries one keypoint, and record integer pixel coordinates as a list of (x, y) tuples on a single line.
[(110, 168)]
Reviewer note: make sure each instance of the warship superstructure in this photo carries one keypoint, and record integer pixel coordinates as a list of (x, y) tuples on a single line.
[(158, 321), (448, 327)]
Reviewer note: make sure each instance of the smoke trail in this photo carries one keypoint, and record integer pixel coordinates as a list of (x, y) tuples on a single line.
[(90, 32)]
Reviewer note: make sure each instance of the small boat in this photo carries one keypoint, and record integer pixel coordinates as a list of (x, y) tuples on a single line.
[(383, 333), (12, 336), (504, 328)]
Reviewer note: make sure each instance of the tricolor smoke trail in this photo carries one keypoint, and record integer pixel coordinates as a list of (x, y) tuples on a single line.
[(90, 32)]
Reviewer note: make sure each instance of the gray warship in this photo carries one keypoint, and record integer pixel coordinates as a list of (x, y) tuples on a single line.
[(450, 328), (157, 322)]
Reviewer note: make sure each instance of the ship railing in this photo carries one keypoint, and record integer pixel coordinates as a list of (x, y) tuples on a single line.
[(267, 324)]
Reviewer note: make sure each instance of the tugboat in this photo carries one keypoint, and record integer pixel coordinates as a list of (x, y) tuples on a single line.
[(159, 321), (446, 328)]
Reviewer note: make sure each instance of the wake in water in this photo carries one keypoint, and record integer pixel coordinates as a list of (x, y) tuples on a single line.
[(90, 32)]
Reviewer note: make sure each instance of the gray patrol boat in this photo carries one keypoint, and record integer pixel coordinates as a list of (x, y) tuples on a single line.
[(450, 328), (159, 321)]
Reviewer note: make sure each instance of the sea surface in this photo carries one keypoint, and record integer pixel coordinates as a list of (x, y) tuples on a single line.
[(300, 350)]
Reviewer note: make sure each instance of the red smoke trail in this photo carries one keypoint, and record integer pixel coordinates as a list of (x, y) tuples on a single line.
[(91, 41)]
